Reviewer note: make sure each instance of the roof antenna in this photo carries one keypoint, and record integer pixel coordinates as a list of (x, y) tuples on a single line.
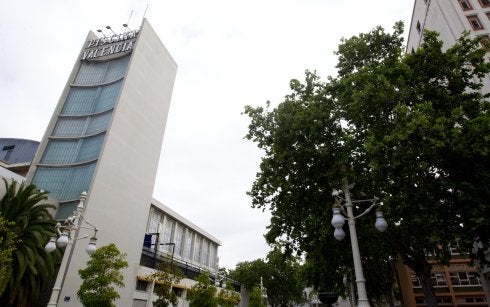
[(126, 25), (144, 14)]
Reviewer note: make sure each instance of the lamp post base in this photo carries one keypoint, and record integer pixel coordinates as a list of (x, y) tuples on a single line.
[(363, 303), (53, 301)]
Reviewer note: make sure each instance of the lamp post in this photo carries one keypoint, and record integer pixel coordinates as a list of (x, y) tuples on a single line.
[(342, 212), (67, 235)]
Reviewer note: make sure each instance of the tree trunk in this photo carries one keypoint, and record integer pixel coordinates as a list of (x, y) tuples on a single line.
[(422, 270), (420, 266)]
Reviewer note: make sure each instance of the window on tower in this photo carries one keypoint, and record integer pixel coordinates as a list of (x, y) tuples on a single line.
[(475, 22), (484, 3), (465, 5)]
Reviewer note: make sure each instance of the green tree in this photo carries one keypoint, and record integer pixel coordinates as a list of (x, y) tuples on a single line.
[(8, 241), (249, 273), (102, 273), (412, 129), (280, 275), (228, 297), (31, 223), (425, 127), (203, 293), (306, 149), (284, 284), (256, 298), (164, 278)]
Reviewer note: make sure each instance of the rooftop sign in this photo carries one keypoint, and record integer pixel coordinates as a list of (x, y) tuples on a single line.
[(110, 45)]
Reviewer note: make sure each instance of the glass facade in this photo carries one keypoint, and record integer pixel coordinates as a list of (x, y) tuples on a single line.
[(190, 245), (68, 162)]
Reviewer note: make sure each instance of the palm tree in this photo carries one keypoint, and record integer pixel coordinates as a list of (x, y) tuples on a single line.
[(32, 267)]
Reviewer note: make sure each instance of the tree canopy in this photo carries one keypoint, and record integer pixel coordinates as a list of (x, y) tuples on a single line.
[(279, 274), (8, 241), (203, 293), (102, 274), (165, 277), (27, 227), (412, 129)]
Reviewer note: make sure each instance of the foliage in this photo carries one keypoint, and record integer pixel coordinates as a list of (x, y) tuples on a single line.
[(284, 282), (103, 271), (280, 275), (164, 278), (228, 297), (249, 273), (412, 129), (203, 293), (8, 241), (32, 225), (256, 298)]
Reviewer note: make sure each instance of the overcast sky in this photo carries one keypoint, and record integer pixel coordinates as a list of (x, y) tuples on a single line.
[(229, 54)]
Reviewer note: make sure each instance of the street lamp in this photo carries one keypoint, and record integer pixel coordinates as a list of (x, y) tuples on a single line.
[(67, 235), (342, 212)]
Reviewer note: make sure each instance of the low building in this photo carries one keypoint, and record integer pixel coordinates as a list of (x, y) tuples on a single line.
[(456, 284), (172, 238), (16, 154)]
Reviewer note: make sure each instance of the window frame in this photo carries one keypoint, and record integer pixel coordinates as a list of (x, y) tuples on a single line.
[(472, 19), (483, 4), (462, 3)]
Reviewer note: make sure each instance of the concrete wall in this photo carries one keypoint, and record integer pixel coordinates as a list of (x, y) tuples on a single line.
[(449, 19)]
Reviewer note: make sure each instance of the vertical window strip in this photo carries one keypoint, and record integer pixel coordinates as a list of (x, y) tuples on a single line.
[(205, 252), (82, 126), (117, 69), (79, 101), (98, 123), (90, 148), (212, 255), (188, 244), (51, 180), (66, 209), (73, 150), (91, 73), (167, 234), (107, 97), (69, 126), (197, 248), (64, 183), (60, 152), (178, 238)]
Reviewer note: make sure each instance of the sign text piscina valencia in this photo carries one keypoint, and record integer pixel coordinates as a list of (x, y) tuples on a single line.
[(114, 44)]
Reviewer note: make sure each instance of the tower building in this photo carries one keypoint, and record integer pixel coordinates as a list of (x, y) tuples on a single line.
[(104, 138)]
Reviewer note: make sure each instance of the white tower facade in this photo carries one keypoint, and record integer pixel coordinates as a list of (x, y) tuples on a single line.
[(105, 137)]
